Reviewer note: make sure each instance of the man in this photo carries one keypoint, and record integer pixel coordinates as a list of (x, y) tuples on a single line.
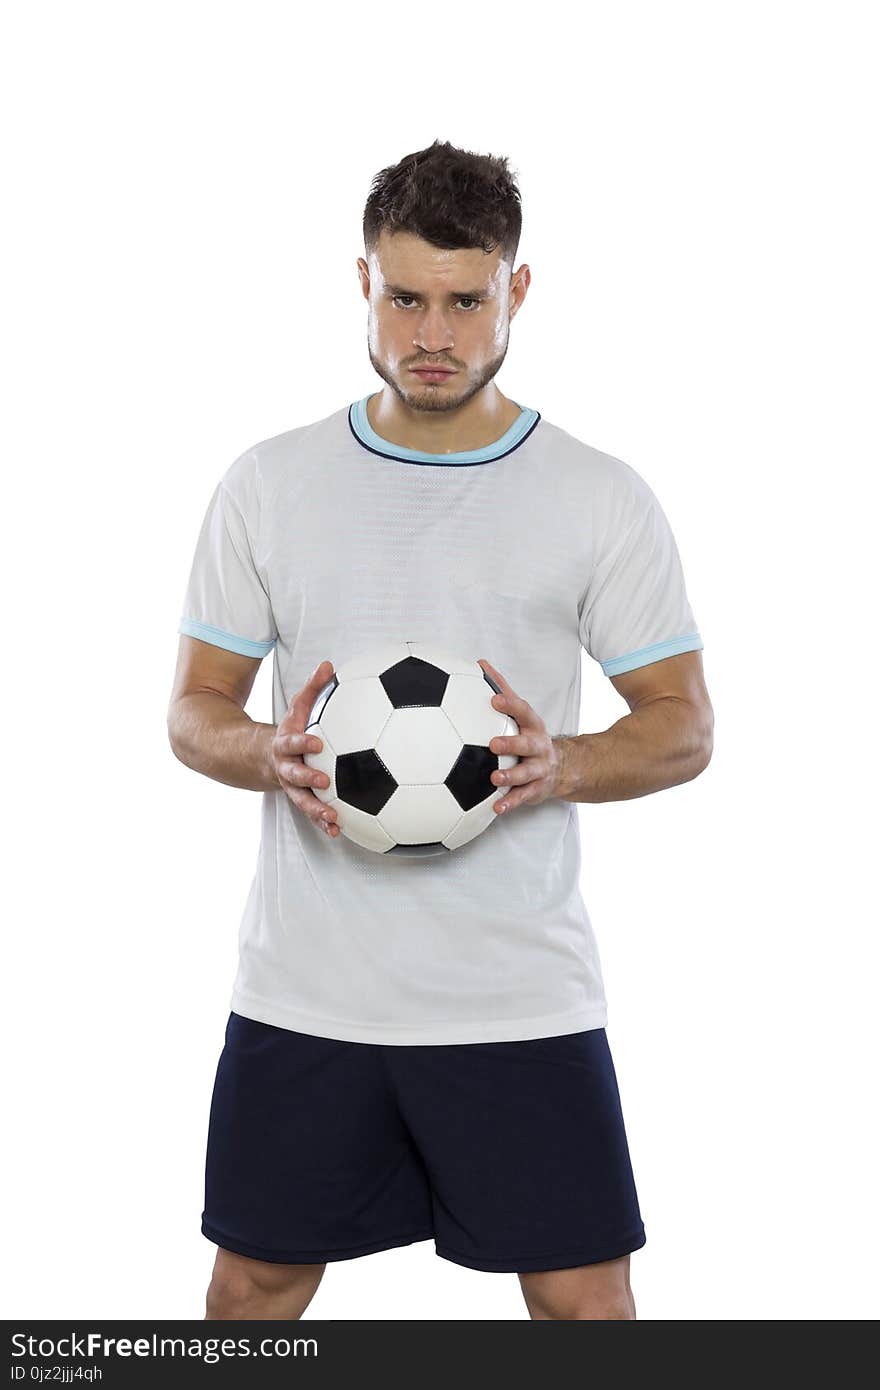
[(417, 1048)]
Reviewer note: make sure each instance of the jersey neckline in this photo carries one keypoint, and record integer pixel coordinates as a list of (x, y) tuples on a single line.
[(511, 439)]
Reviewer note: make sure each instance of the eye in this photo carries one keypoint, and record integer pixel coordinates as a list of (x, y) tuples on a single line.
[(465, 298)]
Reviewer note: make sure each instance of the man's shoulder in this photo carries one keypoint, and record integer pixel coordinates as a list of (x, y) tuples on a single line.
[(299, 439), (596, 467), (257, 470)]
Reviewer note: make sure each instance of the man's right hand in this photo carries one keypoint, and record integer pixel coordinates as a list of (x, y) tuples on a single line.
[(286, 751)]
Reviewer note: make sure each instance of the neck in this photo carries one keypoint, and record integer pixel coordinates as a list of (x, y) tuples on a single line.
[(480, 421)]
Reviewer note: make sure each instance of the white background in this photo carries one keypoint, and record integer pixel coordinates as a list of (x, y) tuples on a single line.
[(186, 183)]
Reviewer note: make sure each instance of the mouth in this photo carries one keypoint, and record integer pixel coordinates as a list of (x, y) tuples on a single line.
[(432, 374)]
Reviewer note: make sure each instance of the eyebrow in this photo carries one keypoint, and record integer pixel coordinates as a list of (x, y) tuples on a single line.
[(453, 294)]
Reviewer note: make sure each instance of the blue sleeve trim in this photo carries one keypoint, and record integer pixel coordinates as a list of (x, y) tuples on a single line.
[(693, 642), (191, 627)]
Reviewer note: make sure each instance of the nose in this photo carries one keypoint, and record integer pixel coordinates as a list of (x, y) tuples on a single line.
[(433, 334)]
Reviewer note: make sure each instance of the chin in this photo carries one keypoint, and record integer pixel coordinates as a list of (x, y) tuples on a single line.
[(431, 397)]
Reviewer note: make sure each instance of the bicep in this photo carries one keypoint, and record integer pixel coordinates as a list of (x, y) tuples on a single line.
[(203, 666), (678, 677)]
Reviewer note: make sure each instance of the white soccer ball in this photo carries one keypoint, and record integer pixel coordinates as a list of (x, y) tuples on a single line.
[(406, 730)]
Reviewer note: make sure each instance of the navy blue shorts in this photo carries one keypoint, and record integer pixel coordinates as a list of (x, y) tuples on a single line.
[(512, 1156)]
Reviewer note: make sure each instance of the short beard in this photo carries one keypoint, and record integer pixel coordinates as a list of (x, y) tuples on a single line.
[(424, 398)]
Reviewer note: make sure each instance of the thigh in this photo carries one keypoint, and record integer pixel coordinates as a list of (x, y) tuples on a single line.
[(525, 1149), (307, 1157)]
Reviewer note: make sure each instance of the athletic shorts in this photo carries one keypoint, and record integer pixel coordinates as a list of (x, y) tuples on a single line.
[(511, 1156)]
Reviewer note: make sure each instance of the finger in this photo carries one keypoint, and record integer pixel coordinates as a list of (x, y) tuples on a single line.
[(295, 744), (518, 708), (325, 818), (324, 815), (298, 779), (510, 801), (299, 774), (513, 776), (508, 700), (305, 800), (516, 745), (496, 675), (300, 706)]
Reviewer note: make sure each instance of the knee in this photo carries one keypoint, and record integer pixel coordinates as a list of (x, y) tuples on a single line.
[(618, 1308), (230, 1296), (226, 1298), (243, 1288), (599, 1291)]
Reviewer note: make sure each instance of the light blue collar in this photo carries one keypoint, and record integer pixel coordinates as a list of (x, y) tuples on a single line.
[(511, 439)]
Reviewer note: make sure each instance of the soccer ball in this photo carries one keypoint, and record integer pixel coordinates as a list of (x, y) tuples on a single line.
[(406, 730)]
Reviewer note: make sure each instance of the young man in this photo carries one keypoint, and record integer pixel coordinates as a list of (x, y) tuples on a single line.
[(416, 1048)]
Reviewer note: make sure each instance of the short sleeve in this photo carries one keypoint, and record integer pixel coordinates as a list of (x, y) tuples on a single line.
[(635, 608), (226, 602)]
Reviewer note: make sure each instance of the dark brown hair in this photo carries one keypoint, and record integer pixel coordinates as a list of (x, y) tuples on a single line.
[(449, 197)]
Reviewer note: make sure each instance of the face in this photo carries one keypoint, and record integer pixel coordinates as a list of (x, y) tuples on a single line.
[(432, 307)]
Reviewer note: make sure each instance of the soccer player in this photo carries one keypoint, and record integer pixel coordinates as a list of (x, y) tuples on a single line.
[(416, 1048)]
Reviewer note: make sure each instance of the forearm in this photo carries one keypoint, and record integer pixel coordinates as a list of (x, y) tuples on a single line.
[(211, 734), (658, 745)]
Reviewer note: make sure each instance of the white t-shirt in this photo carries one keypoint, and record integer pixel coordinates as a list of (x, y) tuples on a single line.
[(327, 540)]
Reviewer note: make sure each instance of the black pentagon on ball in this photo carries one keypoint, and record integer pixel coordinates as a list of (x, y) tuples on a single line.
[(469, 780), (419, 851), (414, 683), (363, 780)]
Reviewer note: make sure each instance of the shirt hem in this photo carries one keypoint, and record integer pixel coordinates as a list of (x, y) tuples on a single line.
[(219, 637), (658, 651), (405, 1035)]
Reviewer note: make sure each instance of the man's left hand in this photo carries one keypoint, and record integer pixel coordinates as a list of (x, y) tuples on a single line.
[(539, 773)]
